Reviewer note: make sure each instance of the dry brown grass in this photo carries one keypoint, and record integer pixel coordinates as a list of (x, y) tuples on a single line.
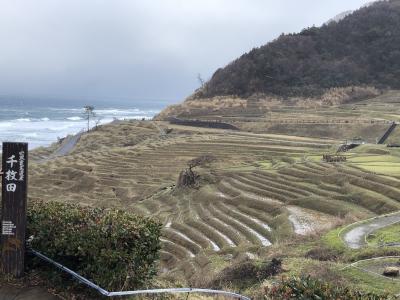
[(337, 96), (259, 103), (215, 104), (134, 166)]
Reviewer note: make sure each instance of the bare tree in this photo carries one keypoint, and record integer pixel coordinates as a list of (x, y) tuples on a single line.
[(188, 177), (97, 122), (89, 113), (201, 80), (202, 160)]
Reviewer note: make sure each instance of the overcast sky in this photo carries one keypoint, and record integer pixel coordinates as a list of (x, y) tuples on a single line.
[(138, 49)]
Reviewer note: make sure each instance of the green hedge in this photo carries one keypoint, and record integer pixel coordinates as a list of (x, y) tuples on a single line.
[(116, 249), (308, 288)]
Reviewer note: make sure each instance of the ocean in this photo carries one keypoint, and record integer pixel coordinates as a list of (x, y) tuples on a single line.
[(41, 122)]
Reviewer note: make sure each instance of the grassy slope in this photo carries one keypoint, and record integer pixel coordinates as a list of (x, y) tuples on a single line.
[(259, 187), (362, 118), (386, 235)]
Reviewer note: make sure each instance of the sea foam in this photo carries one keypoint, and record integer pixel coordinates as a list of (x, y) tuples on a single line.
[(45, 125), (74, 118)]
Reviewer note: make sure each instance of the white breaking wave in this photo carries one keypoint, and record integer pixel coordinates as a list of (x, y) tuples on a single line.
[(74, 118), (45, 126)]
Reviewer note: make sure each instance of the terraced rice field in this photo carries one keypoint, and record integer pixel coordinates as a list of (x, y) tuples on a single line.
[(261, 189)]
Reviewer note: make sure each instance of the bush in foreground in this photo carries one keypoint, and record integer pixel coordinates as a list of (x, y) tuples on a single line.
[(314, 289), (115, 249)]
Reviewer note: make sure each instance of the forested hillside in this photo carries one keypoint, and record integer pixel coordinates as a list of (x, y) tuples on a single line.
[(361, 49)]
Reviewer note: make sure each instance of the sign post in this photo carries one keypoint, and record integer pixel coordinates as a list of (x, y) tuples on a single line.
[(14, 199)]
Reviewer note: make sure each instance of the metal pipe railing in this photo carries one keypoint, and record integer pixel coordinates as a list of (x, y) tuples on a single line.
[(137, 292)]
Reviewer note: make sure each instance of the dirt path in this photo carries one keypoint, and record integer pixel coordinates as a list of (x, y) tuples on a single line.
[(356, 237)]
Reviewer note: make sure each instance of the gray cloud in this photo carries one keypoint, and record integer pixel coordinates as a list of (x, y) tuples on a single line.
[(138, 49)]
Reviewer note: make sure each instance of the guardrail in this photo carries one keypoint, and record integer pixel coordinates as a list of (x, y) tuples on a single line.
[(137, 292)]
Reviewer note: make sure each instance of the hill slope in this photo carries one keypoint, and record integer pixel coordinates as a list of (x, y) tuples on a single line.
[(344, 62), (361, 49), (261, 189)]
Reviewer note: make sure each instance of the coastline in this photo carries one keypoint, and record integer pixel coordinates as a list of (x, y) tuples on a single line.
[(44, 126)]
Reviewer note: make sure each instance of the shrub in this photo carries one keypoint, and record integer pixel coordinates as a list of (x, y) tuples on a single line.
[(314, 289), (115, 249), (287, 159), (323, 254), (246, 273)]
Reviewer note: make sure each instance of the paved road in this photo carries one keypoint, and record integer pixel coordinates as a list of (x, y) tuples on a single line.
[(162, 131), (67, 145), (355, 238)]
